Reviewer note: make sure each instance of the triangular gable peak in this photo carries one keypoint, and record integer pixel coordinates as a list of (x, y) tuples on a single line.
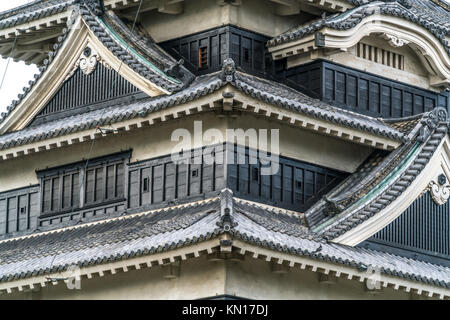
[(95, 39), (388, 185)]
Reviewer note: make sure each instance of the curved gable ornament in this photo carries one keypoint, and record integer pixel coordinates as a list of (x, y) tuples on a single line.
[(440, 190), (72, 53)]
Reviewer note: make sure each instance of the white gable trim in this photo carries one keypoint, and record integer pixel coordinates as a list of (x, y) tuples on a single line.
[(438, 164)]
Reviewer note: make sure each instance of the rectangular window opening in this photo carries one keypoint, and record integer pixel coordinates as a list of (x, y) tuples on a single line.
[(74, 187), (145, 185), (255, 174)]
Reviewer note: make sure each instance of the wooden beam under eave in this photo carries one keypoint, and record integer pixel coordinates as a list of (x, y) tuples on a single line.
[(310, 9), (36, 59)]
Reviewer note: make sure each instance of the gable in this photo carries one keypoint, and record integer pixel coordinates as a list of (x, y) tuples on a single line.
[(89, 40), (422, 231), (83, 92), (384, 188)]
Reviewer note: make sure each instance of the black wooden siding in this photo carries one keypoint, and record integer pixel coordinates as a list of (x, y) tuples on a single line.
[(87, 213), (19, 210), (422, 230), (246, 48), (296, 186), (360, 91), (82, 93)]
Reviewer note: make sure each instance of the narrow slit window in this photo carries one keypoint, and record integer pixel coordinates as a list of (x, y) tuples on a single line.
[(145, 185), (203, 57)]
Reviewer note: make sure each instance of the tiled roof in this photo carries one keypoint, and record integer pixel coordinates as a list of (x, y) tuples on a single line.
[(268, 91), (36, 77), (422, 12), (32, 11), (139, 53), (380, 180), (251, 232), (166, 229)]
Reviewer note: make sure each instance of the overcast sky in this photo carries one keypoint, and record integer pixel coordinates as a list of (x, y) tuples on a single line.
[(18, 74)]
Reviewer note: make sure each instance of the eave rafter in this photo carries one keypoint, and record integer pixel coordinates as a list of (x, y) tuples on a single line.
[(316, 7), (428, 48)]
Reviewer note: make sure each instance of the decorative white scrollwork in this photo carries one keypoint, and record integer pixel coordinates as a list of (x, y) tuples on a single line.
[(439, 192), (394, 41), (88, 64)]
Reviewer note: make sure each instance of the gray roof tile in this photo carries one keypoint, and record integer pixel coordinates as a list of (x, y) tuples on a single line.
[(32, 11)]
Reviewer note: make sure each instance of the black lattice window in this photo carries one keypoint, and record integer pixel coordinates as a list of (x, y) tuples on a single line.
[(385, 57)]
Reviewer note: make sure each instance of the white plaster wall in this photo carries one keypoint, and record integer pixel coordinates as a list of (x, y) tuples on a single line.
[(198, 278)]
